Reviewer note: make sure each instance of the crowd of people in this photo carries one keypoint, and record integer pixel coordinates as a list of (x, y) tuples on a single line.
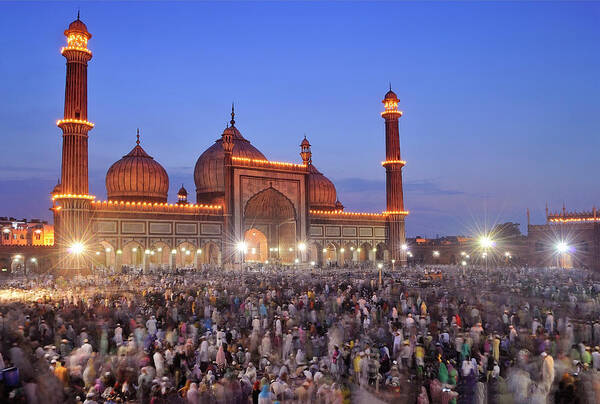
[(473, 335)]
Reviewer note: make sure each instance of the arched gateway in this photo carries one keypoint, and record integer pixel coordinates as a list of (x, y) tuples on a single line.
[(270, 216)]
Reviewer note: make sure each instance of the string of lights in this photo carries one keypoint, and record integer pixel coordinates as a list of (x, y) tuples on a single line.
[(251, 161)]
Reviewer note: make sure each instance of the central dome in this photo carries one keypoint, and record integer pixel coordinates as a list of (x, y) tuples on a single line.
[(137, 177), (208, 173)]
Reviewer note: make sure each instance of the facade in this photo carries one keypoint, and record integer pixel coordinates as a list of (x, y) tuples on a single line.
[(25, 233), (567, 240), (248, 208), (25, 245)]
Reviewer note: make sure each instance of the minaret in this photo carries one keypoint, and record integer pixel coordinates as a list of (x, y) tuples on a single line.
[(393, 177), (73, 231), (228, 233)]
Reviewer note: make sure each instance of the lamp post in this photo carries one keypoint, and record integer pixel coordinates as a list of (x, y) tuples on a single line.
[(486, 243), (380, 267), (436, 255), (302, 249), (241, 247), (561, 248), (393, 264), (173, 259)]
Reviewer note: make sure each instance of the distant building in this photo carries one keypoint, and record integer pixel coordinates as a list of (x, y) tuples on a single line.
[(567, 240), (25, 233)]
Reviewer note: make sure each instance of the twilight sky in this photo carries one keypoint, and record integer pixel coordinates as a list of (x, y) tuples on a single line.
[(501, 100)]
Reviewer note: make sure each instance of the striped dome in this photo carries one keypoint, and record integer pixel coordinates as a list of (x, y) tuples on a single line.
[(137, 177), (208, 173), (321, 191)]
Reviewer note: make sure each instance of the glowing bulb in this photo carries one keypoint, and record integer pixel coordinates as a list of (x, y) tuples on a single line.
[(76, 248), (486, 242)]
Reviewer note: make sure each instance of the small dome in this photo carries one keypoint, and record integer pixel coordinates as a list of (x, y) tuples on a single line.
[(321, 191), (137, 177), (182, 191), (57, 188), (305, 142), (78, 26), (390, 95), (338, 205), (208, 172)]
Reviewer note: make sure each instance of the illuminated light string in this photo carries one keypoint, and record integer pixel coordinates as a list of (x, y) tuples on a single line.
[(268, 162), (73, 196), (396, 212), (575, 219), (78, 121), (342, 213), (391, 107), (386, 162), (75, 48), (157, 204)]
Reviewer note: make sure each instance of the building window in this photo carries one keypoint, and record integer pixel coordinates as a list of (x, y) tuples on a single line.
[(6, 236), (539, 247), (38, 236)]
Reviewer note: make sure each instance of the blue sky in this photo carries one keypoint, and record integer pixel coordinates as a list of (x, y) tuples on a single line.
[(501, 100)]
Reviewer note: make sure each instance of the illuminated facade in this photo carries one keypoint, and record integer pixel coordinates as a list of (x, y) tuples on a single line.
[(567, 240), (25, 233), (249, 209)]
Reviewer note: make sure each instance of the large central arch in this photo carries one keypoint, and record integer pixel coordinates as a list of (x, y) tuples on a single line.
[(274, 215)]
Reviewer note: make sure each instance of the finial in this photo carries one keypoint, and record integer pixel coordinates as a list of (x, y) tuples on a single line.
[(78, 14), (232, 115), (390, 86), (138, 137)]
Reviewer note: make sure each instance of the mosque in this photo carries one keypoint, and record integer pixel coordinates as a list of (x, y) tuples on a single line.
[(247, 209)]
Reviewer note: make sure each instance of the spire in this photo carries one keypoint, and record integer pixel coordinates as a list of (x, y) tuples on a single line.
[(232, 115), (77, 14), (390, 86), (528, 221), (137, 142)]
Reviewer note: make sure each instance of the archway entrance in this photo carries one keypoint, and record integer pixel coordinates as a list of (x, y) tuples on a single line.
[(269, 212), (256, 245), (210, 254)]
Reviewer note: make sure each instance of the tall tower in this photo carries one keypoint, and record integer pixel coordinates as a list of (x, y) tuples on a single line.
[(73, 201), (393, 177)]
